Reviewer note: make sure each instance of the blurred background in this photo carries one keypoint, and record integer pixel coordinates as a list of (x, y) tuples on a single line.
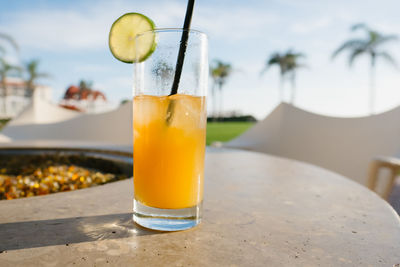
[(261, 53), (59, 80)]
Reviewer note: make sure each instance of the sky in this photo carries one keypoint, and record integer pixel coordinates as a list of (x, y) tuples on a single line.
[(70, 38)]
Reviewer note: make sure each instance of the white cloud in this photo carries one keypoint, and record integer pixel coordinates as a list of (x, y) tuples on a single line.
[(235, 23), (56, 29), (116, 87), (91, 68), (306, 27), (118, 82)]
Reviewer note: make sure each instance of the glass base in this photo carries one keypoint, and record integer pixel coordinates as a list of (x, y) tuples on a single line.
[(166, 219)]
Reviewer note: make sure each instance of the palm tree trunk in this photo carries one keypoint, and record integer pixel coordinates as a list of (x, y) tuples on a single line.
[(30, 87), (372, 86), (220, 102), (4, 96), (293, 84), (281, 88), (214, 102)]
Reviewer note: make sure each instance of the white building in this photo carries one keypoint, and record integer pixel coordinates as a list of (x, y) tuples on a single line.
[(18, 96), (88, 101)]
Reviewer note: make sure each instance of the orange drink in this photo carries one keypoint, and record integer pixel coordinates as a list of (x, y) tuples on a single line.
[(169, 118), (169, 126), (169, 151)]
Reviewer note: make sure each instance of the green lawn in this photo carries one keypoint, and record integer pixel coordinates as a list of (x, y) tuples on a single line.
[(3, 123), (224, 131)]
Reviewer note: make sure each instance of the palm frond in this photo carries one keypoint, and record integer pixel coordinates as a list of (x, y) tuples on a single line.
[(31, 69), (9, 39), (292, 60), (220, 71), (373, 37), (272, 60), (354, 44), (368, 45), (388, 58), (385, 38), (266, 67), (6, 68), (354, 54), (300, 55), (275, 58), (358, 26), (291, 53), (16, 68)]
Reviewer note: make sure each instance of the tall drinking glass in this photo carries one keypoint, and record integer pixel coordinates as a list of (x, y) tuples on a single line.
[(169, 132)]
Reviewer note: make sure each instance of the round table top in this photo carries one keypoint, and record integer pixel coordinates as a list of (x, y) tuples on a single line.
[(259, 210)]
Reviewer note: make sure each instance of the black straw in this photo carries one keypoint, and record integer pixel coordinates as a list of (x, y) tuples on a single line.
[(182, 47)]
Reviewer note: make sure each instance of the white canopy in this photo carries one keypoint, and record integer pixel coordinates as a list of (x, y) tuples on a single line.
[(113, 127), (4, 139), (39, 111), (344, 145)]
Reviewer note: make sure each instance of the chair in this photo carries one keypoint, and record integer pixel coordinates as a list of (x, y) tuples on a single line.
[(393, 164)]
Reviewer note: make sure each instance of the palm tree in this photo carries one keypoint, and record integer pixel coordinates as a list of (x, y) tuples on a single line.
[(31, 68), (85, 85), (8, 39), (5, 67), (5, 70), (288, 64), (220, 71), (2, 51), (292, 60), (371, 45), (280, 61)]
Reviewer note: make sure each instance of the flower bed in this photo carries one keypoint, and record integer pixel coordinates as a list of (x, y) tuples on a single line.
[(32, 175)]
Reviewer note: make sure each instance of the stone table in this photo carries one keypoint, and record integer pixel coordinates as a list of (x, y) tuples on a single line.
[(259, 210)]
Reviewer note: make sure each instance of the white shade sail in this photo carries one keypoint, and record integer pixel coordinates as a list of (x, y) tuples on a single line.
[(113, 127), (343, 145), (39, 111)]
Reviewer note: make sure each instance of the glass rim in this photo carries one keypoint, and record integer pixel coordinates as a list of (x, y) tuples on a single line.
[(157, 30)]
